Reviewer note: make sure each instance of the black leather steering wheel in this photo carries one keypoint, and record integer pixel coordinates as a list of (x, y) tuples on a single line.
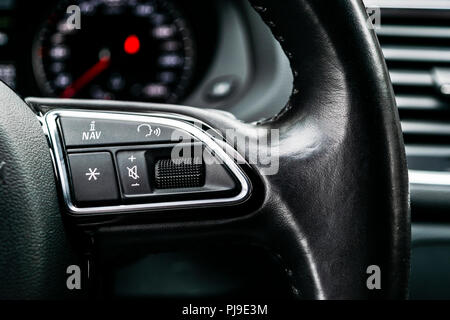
[(338, 204)]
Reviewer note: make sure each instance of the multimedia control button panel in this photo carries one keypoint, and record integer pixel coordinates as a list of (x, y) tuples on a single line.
[(97, 132), (111, 162)]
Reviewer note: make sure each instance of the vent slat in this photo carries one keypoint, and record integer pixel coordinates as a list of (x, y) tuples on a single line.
[(418, 102), (414, 31), (416, 54), (425, 128), (409, 4), (411, 78)]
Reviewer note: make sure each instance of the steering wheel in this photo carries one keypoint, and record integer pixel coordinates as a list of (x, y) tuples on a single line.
[(337, 204)]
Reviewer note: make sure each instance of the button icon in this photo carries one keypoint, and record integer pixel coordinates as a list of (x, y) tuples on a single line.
[(92, 134), (92, 174), (145, 127), (132, 173)]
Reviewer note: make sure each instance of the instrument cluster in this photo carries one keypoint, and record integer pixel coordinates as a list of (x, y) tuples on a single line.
[(138, 50)]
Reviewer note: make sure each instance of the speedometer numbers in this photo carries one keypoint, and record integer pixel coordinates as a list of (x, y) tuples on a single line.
[(124, 50)]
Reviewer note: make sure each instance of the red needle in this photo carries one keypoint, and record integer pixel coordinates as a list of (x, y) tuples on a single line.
[(87, 77)]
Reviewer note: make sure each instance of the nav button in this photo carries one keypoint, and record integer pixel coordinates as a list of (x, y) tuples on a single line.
[(98, 132)]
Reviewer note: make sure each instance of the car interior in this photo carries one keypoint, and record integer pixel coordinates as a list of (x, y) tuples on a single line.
[(353, 97)]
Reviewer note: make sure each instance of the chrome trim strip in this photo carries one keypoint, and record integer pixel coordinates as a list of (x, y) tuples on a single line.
[(431, 178), (157, 118)]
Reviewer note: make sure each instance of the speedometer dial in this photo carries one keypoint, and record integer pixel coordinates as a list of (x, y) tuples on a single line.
[(124, 50)]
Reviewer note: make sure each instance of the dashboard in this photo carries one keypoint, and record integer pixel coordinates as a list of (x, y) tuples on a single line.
[(123, 50), (219, 54), (200, 53)]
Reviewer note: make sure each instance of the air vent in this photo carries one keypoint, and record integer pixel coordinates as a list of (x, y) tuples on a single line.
[(416, 45)]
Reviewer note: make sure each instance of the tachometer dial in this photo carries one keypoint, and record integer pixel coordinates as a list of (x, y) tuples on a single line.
[(124, 50)]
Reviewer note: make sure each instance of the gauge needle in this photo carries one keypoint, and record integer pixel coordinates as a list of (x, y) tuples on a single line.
[(86, 77)]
